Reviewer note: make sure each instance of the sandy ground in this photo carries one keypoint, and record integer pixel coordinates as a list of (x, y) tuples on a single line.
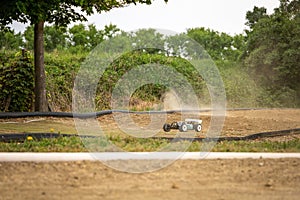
[(184, 179), (237, 123), (189, 179)]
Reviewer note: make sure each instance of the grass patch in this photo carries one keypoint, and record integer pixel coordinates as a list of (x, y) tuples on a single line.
[(60, 144), (258, 146), (40, 125), (75, 144)]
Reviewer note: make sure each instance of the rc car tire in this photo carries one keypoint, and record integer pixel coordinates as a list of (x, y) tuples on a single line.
[(198, 127), (167, 127), (183, 128)]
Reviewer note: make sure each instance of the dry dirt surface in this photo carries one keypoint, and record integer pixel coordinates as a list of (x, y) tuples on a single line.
[(237, 123), (188, 179), (184, 179)]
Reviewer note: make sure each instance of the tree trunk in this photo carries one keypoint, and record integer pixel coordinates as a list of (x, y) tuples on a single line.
[(40, 102)]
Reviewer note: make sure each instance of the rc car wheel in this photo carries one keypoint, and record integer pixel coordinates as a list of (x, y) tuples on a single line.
[(198, 127), (183, 128), (167, 127)]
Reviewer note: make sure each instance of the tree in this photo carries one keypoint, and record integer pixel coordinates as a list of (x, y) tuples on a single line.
[(10, 40), (59, 12), (55, 37), (87, 38), (29, 37), (254, 16), (79, 36), (220, 46), (273, 50), (146, 39), (94, 36), (110, 30)]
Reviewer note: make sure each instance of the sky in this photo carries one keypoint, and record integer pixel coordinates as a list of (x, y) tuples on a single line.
[(178, 15)]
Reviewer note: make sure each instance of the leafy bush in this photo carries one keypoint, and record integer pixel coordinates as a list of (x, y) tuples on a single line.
[(61, 69), (16, 81), (241, 89), (148, 92)]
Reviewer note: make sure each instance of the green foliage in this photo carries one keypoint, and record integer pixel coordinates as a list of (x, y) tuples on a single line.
[(258, 146), (75, 144), (254, 16), (259, 69), (28, 36), (16, 81), (79, 36), (241, 89), (83, 39), (60, 144), (9, 40), (61, 69), (147, 39), (59, 12), (149, 92), (77, 39), (62, 65), (55, 37), (273, 54), (220, 46)]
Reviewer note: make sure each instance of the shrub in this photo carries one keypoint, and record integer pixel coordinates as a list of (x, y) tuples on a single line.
[(16, 81)]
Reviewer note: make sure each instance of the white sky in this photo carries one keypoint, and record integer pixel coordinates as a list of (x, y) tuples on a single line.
[(177, 15)]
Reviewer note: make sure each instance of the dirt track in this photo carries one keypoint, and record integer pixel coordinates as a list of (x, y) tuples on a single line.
[(237, 123), (202, 179)]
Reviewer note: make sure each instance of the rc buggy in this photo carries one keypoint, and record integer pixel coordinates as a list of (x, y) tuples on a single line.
[(183, 126)]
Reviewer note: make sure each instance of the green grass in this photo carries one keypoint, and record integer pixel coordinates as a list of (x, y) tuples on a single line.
[(41, 125), (259, 146), (60, 144), (75, 144)]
